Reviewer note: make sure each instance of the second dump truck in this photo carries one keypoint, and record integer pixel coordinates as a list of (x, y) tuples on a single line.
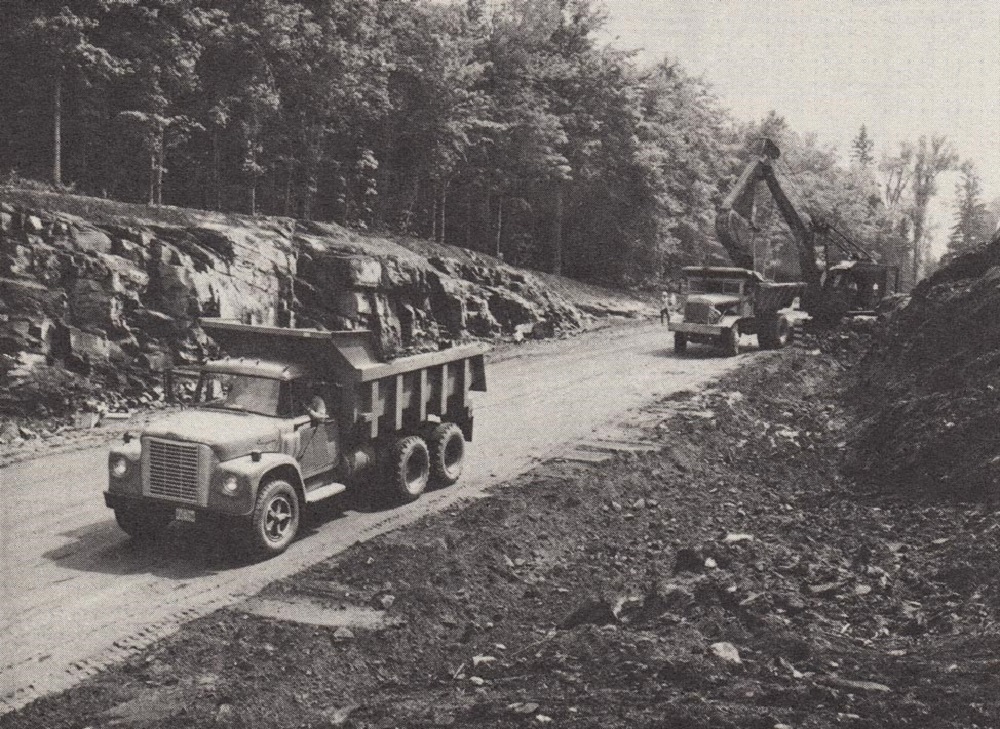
[(292, 417), (722, 304)]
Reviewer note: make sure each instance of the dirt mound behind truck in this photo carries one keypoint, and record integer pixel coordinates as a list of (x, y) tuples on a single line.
[(931, 384)]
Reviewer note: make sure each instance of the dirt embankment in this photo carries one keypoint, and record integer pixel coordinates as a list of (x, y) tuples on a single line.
[(932, 387), (97, 298), (733, 579)]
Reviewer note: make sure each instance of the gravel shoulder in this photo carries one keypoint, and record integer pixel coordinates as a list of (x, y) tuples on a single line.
[(729, 578)]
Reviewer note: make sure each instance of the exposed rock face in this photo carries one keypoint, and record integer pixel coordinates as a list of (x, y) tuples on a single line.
[(113, 292)]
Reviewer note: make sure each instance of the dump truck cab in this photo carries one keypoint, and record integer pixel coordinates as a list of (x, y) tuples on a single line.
[(721, 304), (292, 418)]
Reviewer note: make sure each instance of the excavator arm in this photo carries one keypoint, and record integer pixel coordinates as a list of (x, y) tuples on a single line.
[(734, 222)]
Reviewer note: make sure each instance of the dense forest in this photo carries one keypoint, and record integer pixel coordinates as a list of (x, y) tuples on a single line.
[(505, 127)]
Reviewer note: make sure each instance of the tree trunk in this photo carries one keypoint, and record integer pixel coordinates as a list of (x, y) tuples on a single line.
[(152, 173), (161, 151), (434, 215), (216, 176), (444, 210), (287, 205), (57, 130), (557, 242), (918, 234), (499, 252)]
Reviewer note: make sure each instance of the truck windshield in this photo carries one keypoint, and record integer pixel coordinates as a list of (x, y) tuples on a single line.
[(241, 393)]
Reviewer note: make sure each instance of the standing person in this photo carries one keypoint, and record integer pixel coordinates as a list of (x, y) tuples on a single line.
[(665, 304)]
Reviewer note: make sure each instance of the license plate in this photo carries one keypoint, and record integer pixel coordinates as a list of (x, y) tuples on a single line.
[(184, 515)]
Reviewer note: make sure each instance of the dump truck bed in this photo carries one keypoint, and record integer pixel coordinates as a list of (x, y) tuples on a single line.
[(376, 396), (770, 296)]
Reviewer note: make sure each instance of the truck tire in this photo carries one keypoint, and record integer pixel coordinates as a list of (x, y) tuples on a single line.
[(276, 516), (680, 342), (731, 341), (446, 444), (774, 333), (783, 333), (143, 525), (407, 468)]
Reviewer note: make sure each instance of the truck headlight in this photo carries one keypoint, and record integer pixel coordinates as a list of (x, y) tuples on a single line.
[(119, 467), (230, 485)]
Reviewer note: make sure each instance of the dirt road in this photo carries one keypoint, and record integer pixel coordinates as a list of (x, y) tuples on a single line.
[(77, 595)]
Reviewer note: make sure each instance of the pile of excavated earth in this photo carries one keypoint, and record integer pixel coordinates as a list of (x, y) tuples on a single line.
[(933, 384), (98, 299), (738, 576)]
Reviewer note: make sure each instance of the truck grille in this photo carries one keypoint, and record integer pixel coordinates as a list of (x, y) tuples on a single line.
[(173, 470), (699, 313)]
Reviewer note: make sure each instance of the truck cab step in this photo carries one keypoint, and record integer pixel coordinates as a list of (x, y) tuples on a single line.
[(324, 492)]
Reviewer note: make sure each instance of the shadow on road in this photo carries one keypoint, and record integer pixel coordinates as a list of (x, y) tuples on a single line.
[(187, 551)]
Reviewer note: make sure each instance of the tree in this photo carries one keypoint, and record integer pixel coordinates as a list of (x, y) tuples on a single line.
[(972, 219), (863, 148), (59, 42), (932, 157), (909, 185)]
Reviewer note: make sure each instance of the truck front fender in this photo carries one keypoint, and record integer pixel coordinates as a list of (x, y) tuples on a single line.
[(728, 322), (249, 472)]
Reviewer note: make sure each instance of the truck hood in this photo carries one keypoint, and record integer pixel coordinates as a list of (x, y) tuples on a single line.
[(229, 434), (715, 300)]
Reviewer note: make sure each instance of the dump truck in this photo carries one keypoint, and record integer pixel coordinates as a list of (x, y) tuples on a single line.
[(289, 418), (722, 304)]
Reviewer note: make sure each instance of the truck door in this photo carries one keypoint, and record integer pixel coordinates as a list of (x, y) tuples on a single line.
[(319, 441)]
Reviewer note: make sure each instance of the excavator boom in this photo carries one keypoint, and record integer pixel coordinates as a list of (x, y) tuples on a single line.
[(734, 222)]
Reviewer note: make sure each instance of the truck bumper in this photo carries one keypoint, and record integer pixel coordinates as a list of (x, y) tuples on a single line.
[(692, 328), (125, 501)]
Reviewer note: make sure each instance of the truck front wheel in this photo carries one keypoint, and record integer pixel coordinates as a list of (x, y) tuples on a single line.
[(143, 524), (446, 444), (680, 342), (408, 468), (275, 520)]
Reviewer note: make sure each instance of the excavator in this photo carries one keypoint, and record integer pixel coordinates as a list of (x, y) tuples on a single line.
[(722, 304), (849, 284)]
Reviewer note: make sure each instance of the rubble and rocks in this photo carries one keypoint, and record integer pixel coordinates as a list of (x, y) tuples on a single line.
[(930, 387), (842, 610)]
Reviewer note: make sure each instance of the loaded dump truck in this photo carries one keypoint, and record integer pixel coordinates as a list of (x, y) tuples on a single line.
[(292, 417), (722, 304)]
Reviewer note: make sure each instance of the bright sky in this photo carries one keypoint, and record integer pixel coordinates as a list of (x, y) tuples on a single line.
[(902, 67)]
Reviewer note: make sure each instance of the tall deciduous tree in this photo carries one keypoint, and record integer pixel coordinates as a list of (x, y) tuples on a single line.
[(59, 40), (933, 156)]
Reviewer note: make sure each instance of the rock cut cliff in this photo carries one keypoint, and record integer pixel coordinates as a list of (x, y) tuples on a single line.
[(97, 298)]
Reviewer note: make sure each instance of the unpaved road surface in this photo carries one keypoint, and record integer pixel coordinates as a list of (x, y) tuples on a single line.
[(77, 595)]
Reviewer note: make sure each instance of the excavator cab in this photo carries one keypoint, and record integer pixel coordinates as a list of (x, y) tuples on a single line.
[(855, 288)]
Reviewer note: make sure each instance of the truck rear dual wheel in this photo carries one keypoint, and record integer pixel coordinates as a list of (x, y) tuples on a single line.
[(275, 520), (775, 334), (407, 468), (446, 444), (143, 524)]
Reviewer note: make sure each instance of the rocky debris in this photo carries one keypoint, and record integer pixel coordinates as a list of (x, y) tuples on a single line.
[(929, 389), (842, 610), (725, 652)]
